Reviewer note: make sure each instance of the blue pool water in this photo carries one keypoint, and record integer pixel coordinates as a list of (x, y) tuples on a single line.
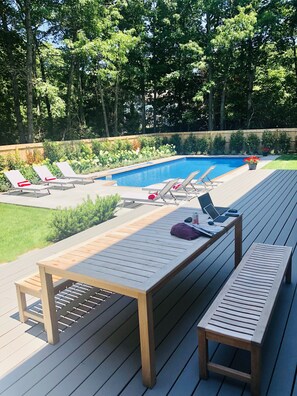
[(176, 169)]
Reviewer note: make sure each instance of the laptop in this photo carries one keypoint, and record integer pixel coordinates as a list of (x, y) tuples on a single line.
[(206, 200), (214, 214)]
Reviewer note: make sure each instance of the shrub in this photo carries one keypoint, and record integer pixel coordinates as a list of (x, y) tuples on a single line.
[(2, 163), (53, 151), (269, 140), (34, 156), (190, 145), (96, 147), (14, 161), (252, 143), (218, 144), (237, 142), (202, 145), (67, 222), (147, 142), (176, 141), (284, 142)]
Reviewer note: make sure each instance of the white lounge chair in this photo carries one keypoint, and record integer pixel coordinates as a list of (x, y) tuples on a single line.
[(47, 177), (19, 183), (202, 181), (182, 186), (164, 196), (67, 171)]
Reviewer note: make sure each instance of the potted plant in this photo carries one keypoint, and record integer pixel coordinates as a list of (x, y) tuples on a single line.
[(265, 151), (252, 162)]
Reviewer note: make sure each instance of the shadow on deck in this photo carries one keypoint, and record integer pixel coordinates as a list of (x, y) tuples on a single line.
[(99, 355)]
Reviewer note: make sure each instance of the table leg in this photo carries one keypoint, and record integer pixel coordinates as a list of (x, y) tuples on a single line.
[(238, 240), (48, 306), (147, 345)]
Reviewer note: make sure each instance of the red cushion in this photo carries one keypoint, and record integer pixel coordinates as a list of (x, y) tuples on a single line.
[(153, 196), (24, 183), (49, 178), (176, 186)]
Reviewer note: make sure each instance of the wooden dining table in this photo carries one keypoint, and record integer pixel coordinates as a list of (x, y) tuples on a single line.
[(134, 259)]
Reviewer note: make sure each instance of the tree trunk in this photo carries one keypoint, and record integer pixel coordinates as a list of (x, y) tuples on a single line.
[(222, 107), (81, 111), (14, 84), (29, 66), (69, 98), (210, 100), (46, 98), (210, 75), (143, 119), (103, 107), (155, 111), (116, 104)]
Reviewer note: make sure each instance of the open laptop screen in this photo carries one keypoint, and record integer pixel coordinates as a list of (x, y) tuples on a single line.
[(211, 210), (205, 200)]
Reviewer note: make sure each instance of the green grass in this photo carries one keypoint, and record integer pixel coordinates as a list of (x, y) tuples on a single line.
[(286, 162), (22, 229)]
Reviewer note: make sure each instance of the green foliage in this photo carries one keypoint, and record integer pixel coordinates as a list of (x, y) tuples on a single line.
[(176, 141), (237, 141), (202, 145), (218, 144), (96, 147), (284, 143), (270, 140), (252, 143), (2, 163), (190, 145), (14, 161), (67, 222), (53, 151)]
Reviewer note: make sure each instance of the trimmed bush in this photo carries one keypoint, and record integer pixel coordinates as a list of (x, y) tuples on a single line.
[(218, 144), (269, 140), (70, 221), (284, 142), (202, 145), (53, 151), (190, 145), (252, 143), (237, 142), (177, 143)]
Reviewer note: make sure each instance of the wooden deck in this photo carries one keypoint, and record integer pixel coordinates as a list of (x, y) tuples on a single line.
[(99, 354)]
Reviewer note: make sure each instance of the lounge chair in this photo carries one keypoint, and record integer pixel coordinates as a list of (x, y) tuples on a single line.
[(184, 185), (203, 179), (160, 197), (67, 171), (21, 184), (47, 177)]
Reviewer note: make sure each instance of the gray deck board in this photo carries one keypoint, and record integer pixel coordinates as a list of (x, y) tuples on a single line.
[(100, 353)]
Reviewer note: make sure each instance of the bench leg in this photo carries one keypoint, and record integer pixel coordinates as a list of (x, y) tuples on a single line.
[(255, 369), (203, 353), (22, 304)]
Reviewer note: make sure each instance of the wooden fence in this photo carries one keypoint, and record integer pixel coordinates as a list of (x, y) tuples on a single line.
[(25, 149)]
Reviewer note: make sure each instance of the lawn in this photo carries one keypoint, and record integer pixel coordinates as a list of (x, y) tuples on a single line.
[(22, 229), (286, 162)]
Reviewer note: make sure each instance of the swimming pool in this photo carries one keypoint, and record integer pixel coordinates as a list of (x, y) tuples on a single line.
[(178, 168)]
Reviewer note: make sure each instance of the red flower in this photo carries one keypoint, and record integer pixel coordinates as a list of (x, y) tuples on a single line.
[(265, 149), (252, 160)]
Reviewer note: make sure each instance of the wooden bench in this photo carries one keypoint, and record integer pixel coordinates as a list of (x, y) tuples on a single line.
[(240, 314), (32, 286)]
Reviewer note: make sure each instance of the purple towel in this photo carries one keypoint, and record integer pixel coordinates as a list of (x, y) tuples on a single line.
[(182, 230)]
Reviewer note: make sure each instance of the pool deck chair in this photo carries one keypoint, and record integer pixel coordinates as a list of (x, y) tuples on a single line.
[(67, 171), (162, 197), (184, 186), (204, 180), (19, 183), (47, 177)]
